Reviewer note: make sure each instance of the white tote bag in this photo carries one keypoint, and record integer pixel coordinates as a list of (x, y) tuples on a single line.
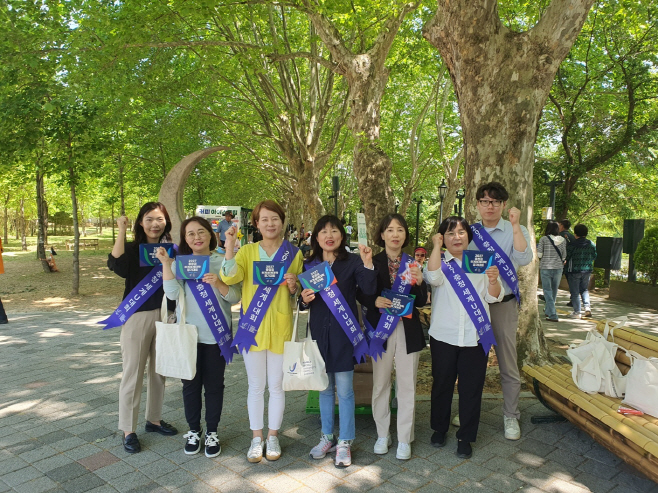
[(303, 365), (642, 384), (175, 344), (593, 363)]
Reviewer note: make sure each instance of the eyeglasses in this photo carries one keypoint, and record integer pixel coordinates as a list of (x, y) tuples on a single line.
[(452, 234), (202, 233), (487, 203)]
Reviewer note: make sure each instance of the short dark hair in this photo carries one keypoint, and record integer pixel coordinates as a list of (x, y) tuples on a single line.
[(494, 190), (566, 224), (580, 230), (316, 251), (450, 223), (183, 247), (385, 222), (140, 234), (552, 228), (270, 205)]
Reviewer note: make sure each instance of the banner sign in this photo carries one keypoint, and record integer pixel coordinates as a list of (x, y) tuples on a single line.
[(147, 252), (476, 262), (269, 273), (361, 228), (403, 305), (192, 266), (317, 278)]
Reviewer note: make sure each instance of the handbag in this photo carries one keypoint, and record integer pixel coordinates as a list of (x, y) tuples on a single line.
[(593, 363), (175, 344), (303, 365), (642, 384)]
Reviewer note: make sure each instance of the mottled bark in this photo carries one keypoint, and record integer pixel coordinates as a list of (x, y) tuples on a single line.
[(502, 79), (41, 222)]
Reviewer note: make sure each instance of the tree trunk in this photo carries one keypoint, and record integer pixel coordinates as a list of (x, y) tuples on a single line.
[(121, 192), (100, 222), (6, 219), (76, 234), (22, 225), (41, 222), (114, 238), (502, 79)]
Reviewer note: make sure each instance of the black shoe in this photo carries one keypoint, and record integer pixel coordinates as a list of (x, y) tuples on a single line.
[(213, 448), (464, 450), (553, 319), (5, 321), (541, 297), (131, 443), (163, 428), (438, 440), (570, 304), (193, 444)]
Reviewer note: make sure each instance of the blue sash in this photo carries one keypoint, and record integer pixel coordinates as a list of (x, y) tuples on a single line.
[(208, 303), (135, 299), (387, 323), (343, 314), (252, 318), (484, 241), (470, 300)]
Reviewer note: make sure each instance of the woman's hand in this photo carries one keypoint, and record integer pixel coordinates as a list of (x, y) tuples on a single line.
[(122, 223), (417, 274), (382, 302), (366, 256), (492, 274), (291, 281), (308, 295), (162, 255), (231, 237), (213, 280), (437, 240)]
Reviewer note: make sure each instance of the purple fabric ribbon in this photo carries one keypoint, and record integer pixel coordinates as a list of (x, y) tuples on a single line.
[(387, 323), (470, 300), (136, 298), (343, 314), (209, 305), (484, 241), (252, 318), (370, 330)]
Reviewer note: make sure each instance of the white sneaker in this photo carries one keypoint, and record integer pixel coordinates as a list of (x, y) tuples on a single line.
[(273, 449), (255, 453), (382, 444), (574, 315), (512, 428), (343, 454), (455, 421), (321, 449), (404, 451)]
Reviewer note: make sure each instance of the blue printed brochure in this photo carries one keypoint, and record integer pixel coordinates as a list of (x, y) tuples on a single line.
[(192, 266), (317, 278), (147, 251), (476, 262), (269, 273), (403, 304)]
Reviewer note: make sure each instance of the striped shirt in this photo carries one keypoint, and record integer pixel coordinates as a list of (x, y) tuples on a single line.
[(549, 258)]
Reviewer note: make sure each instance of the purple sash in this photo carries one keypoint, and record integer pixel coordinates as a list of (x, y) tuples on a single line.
[(342, 312), (484, 241), (135, 299), (252, 318), (471, 302), (369, 329), (208, 303), (387, 323)]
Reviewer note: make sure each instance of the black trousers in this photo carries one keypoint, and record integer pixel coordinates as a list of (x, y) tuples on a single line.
[(210, 366), (3, 315), (449, 362)]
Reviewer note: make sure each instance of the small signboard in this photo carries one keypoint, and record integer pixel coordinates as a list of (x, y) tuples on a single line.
[(361, 227)]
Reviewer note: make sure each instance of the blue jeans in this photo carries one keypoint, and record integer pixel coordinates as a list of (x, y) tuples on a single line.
[(550, 280), (578, 285), (343, 381)]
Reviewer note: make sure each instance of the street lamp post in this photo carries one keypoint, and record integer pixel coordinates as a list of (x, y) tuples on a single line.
[(418, 202), (552, 183), (443, 189), (397, 204), (461, 194), (336, 187)]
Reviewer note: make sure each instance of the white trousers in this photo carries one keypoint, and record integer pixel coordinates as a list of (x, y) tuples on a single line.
[(264, 367), (406, 368)]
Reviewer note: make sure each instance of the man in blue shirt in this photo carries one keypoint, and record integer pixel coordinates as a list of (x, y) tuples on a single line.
[(514, 240), (224, 226)]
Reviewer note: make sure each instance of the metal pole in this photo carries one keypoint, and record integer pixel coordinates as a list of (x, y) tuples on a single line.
[(553, 184), (441, 213), (418, 202), (461, 210)]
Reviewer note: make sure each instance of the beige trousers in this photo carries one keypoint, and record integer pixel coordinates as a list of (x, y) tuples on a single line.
[(138, 346), (406, 368), (505, 321)]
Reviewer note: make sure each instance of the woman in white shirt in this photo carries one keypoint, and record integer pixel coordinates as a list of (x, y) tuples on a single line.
[(454, 341)]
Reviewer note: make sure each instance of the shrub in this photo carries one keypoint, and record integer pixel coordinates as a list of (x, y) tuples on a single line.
[(646, 255)]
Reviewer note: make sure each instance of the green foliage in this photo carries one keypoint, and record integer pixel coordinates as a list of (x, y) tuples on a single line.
[(646, 255)]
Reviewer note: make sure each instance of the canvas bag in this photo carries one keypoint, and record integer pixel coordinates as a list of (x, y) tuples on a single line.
[(175, 344), (642, 384), (303, 365), (593, 363)]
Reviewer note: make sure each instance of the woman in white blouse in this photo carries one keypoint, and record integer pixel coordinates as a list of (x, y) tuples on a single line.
[(454, 344)]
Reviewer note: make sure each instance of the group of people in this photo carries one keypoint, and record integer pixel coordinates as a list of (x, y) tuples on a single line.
[(561, 251), (470, 312)]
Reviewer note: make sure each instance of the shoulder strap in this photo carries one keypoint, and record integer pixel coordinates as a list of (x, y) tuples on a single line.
[(556, 248)]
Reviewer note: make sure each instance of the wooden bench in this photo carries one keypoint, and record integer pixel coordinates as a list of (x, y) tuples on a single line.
[(633, 438), (84, 243)]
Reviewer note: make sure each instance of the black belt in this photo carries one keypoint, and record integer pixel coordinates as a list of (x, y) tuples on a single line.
[(508, 297)]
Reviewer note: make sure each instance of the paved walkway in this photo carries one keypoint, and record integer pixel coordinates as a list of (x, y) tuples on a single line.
[(58, 416)]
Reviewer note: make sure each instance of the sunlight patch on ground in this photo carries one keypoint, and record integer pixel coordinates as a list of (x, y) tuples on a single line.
[(11, 340), (18, 407), (53, 302), (54, 333)]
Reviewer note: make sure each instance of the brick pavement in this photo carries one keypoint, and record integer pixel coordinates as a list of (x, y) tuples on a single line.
[(58, 417)]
